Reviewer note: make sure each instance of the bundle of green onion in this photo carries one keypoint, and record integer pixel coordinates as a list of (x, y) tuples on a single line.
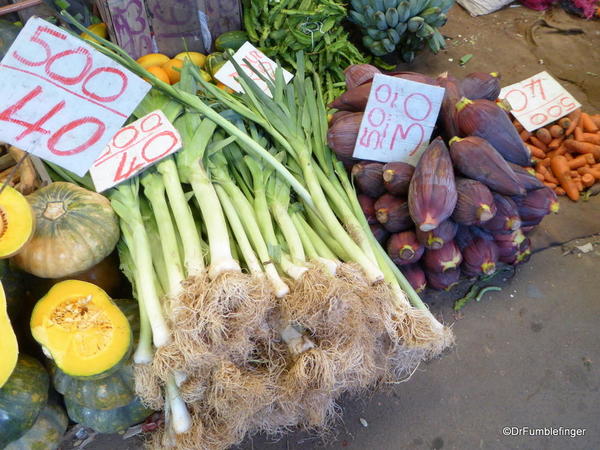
[(262, 292)]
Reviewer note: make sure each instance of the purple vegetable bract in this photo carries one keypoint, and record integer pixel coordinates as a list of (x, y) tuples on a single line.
[(432, 193)]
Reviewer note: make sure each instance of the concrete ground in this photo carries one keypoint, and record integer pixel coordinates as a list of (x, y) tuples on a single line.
[(527, 356)]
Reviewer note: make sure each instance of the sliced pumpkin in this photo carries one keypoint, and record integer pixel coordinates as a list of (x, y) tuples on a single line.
[(17, 222), (9, 349), (81, 329)]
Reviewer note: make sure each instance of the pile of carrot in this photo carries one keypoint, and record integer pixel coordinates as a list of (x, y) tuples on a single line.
[(566, 153)]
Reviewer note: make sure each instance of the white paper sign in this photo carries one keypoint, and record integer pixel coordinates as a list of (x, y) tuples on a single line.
[(135, 148), (398, 121), (538, 101), (258, 60), (62, 100)]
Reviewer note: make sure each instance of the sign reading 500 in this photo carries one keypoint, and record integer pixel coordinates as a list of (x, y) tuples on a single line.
[(62, 100)]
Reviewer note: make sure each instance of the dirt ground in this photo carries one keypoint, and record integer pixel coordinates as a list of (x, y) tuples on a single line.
[(525, 356)]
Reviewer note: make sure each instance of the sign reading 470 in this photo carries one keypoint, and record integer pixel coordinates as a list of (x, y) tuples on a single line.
[(62, 100)]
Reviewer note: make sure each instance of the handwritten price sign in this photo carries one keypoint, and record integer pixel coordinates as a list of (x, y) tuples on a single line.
[(398, 120), (60, 99), (257, 60), (538, 100), (133, 149)]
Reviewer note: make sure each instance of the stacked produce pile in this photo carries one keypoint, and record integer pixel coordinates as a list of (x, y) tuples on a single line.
[(466, 205), (280, 29), (566, 153), (263, 296), (63, 231), (405, 27)]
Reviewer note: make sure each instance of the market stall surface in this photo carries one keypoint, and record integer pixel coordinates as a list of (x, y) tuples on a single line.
[(526, 356)]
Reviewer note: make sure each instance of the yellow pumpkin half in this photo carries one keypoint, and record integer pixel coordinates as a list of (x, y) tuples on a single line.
[(9, 348), (16, 222), (81, 329)]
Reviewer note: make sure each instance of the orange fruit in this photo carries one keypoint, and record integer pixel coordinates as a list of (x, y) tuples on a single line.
[(170, 67), (196, 58), (152, 59), (159, 73), (225, 88)]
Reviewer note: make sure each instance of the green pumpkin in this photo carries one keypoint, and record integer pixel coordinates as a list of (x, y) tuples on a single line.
[(47, 431), (113, 391), (214, 62), (110, 420), (22, 398), (131, 310), (14, 289), (75, 229)]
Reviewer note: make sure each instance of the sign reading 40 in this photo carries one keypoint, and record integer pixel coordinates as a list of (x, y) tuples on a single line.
[(62, 100)]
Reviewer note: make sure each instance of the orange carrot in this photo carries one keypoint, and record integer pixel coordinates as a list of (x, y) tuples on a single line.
[(518, 125), (543, 135), (592, 138), (596, 166), (568, 156), (581, 160), (583, 147), (559, 191), (588, 179), (575, 115), (556, 131), (539, 176), (553, 153), (536, 152), (550, 185), (596, 119), (525, 135), (574, 123), (545, 162), (581, 170), (574, 174), (578, 134), (579, 184), (555, 143), (560, 168), (565, 123), (588, 124), (539, 144), (594, 172)]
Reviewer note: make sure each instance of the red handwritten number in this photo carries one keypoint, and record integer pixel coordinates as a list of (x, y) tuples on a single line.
[(167, 148), (109, 98), (95, 137), (376, 117), (37, 127), (128, 141), (532, 85), (569, 106), (538, 119), (399, 131), (45, 46), (152, 126), (513, 102), (70, 80), (383, 93), (120, 174), (406, 106)]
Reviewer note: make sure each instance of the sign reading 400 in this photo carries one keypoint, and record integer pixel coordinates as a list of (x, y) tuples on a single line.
[(62, 100)]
